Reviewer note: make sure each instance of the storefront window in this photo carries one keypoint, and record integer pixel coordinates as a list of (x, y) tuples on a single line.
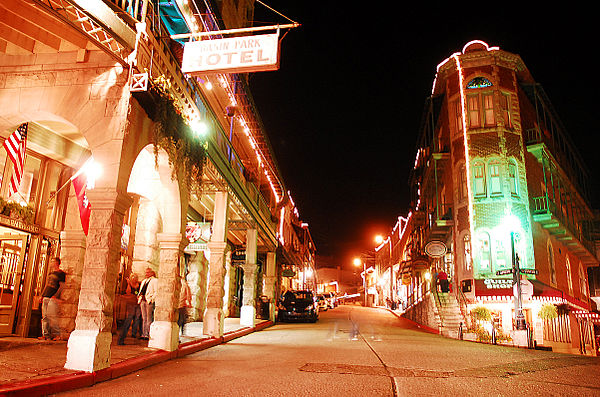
[(27, 193)]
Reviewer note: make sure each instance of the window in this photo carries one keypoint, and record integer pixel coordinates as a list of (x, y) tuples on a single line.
[(505, 110), (467, 251), (479, 82), (484, 251), (551, 263), (473, 111), (582, 281), (488, 109), (569, 279), (479, 179), (456, 116), (512, 178), (495, 180), (462, 183)]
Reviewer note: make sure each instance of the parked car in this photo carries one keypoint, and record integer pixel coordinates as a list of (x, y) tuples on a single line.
[(298, 305), (331, 299), (322, 303)]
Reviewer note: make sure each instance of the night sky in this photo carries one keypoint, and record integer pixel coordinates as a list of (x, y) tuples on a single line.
[(343, 111)]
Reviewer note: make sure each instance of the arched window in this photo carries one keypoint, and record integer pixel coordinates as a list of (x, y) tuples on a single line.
[(569, 278), (479, 82), (495, 179), (479, 186), (462, 183), (467, 252), (551, 264), (513, 178), (583, 286)]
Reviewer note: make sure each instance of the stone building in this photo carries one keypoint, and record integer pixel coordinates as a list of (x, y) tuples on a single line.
[(497, 184), (187, 178)]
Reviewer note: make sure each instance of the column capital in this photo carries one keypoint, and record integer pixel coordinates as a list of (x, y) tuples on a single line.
[(172, 241), (105, 198)]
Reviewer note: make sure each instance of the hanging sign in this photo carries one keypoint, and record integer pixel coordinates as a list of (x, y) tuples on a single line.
[(198, 234), (232, 55), (435, 249)]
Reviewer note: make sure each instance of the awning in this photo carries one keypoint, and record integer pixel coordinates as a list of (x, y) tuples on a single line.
[(417, 263), (503, 288)]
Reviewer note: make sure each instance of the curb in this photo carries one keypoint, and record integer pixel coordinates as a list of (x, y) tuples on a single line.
[(80, 379)]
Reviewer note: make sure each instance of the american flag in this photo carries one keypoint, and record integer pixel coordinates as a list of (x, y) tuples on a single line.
[(15, 147)]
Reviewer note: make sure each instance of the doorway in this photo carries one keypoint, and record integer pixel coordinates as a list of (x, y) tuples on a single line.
[(12, 257)]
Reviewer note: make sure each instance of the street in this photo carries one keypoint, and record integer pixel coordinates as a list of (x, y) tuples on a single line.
[(353, 351)]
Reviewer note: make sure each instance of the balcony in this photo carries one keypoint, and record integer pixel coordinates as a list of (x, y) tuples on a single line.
[(546, 213)]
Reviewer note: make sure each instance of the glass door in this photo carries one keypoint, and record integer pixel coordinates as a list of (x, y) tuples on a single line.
[(12, 255)]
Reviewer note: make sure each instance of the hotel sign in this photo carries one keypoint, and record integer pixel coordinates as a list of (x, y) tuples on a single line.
[(232, 55)]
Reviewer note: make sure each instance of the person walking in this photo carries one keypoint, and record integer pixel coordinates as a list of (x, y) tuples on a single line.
[(146, 299), (50, 295), (185, 301), (133, 311)]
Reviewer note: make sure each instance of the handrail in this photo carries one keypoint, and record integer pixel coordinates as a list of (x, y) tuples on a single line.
[(438, 302), (462, 304)]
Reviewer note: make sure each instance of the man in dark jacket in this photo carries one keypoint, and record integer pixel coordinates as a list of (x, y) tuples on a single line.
[(54, 282)]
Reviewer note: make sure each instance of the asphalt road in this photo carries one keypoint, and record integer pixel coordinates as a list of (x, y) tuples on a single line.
[(355, 351)]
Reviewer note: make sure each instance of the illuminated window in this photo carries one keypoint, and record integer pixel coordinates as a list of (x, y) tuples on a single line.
[(467, 251), (485, 257), (479, 179), (505, 109), (488, 109), (551, 265), (479, 82), (512, 178), (582, 281), (473, 111), (495, 180), (569, 278)]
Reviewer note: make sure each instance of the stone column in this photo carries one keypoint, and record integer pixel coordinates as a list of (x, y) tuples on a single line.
[(248, 311), (72, 256), (89, 344), (270, 277), (213, 320), (196, 279), (164, 331)]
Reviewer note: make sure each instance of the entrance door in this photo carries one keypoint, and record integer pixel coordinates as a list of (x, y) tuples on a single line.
[(12, 255)]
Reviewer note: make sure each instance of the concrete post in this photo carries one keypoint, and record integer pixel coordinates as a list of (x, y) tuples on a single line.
[(88, 348), (213, 320), (72, 256), (248, 311), (270, 277), (164, 331)]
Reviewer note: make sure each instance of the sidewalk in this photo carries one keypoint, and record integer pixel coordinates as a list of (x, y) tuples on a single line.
[(32, 367)]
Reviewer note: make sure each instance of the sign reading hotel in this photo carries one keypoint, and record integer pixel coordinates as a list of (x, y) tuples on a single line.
[(232, 55)]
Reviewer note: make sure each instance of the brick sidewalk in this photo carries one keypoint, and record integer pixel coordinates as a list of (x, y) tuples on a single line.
[(32, 367)]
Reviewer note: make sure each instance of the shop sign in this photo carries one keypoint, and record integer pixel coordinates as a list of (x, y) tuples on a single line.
[(18, 224), (288, 273), (232, 55), (198, 234), (406, 278), (492, 283), (435, 249)]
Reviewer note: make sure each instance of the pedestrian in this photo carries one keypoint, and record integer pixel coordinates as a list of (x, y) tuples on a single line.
[(443, 281), (185, 301), (146, 299), (133, 311), (50, 301)]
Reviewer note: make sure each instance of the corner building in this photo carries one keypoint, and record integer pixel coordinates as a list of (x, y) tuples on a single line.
[(497, 180)]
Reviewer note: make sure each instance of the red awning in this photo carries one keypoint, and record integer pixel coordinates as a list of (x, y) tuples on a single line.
[(503, 288)]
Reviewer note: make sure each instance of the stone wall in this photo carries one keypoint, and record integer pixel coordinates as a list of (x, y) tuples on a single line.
[(424, 313)]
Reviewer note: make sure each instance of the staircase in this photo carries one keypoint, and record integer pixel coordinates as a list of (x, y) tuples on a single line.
[(450, 314)]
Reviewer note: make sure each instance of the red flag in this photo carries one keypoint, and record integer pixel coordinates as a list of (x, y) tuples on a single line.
[(80, 184), (15, 147)]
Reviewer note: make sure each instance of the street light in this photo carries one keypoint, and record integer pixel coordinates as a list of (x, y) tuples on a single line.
[(358, 262)]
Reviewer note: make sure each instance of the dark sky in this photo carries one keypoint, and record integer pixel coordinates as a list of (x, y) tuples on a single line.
[(343, 111)]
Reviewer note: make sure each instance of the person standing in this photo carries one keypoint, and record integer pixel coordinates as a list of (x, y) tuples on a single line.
[(443, 281), (185, 301), (50, 295), (146, 299), (134, 314)]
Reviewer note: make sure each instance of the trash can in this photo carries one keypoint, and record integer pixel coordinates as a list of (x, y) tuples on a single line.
[(264, 307)]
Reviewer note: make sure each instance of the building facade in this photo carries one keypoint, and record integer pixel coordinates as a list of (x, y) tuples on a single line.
[(189, 185), (499, 194)]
